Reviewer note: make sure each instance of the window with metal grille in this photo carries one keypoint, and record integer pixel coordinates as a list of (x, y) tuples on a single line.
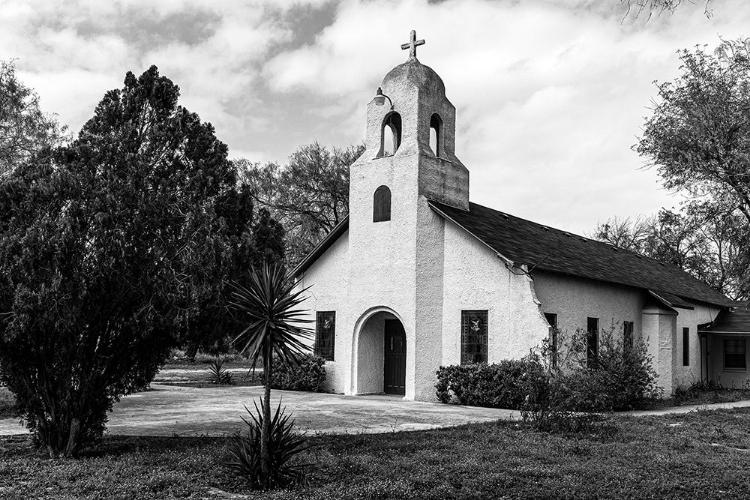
[(592, 341), (734, 354), (627, 334), (473, 337), (325, 334)]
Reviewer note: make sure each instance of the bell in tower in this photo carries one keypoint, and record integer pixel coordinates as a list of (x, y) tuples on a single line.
[(411, 124)]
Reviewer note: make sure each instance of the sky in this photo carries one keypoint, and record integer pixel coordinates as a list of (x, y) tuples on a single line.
[(551, 95)]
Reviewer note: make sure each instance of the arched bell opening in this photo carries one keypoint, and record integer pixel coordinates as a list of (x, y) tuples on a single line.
[(436, 135), (390, 134)]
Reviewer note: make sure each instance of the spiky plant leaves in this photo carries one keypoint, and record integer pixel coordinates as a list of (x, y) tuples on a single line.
[(284, 446), (219, 374), (270, 306)]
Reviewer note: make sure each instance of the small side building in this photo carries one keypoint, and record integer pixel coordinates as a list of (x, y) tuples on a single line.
[(418, 277)]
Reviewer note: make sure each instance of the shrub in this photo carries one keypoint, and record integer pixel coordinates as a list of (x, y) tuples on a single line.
[(497, 385), (623, 378), (219, 374), (566, 395), (284, 445), (309, 375)]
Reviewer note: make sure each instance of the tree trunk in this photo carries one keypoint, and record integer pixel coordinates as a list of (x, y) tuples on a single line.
[(75, 431), (265, 457)]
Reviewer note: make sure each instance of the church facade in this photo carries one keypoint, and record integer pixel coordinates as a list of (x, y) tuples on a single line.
[(418, 277)]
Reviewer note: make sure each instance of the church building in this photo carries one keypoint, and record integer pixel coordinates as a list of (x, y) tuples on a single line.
[(418, 277)]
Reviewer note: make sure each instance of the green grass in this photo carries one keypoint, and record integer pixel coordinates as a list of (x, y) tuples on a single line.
[(199, 376), (701, 454), (702, 397)]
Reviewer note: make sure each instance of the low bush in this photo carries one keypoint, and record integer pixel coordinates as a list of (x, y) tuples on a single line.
[(218, 374), (284, 445), (309, 375), (496, 385), (567, 395)]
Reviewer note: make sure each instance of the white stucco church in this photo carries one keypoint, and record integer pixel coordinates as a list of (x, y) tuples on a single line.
[(418, 276)]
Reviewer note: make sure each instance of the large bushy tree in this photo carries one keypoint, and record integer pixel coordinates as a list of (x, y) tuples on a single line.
[(110, 249), (309, 195), (699, 140), (24, 127)]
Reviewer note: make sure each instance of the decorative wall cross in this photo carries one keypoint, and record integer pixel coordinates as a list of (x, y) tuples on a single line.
[(412, 45)]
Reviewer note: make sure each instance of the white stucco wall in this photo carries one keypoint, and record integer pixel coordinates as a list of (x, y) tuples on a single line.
[(687, 318), (476, 279), (576, 299), (328, 279)]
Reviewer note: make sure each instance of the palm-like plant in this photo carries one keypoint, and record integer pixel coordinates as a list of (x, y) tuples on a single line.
[(270, 306)]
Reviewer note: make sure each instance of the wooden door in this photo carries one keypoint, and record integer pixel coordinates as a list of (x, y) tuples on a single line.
[(395, 358)]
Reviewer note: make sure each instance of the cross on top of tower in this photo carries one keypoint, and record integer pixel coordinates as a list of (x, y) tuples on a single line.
[(412, 45)]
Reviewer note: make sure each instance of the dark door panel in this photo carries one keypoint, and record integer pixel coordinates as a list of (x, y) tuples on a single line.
[(394, 378)]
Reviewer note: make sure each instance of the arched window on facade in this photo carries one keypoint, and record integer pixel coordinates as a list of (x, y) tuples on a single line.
[(381, 204), (390, 134), (436, 131)]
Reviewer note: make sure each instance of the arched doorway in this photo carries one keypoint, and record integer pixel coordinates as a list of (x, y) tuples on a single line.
[(380, 354)]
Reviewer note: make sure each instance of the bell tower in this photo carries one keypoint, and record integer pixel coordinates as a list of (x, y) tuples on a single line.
[(409, 109), (396, 240)]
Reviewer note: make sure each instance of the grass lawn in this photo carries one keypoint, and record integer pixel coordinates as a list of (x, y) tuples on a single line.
[(701, 454)]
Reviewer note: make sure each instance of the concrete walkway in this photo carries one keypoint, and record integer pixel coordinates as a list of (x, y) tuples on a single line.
[(168, 410)]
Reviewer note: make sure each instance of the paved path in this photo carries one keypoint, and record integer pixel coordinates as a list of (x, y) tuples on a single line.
[(168, 410)]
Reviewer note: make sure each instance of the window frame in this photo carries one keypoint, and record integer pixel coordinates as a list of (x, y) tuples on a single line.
[(592, 349), (483, 341), (628, 328), (381, 204), (724, 343), (685, 346), (553, 337), (325, 338)]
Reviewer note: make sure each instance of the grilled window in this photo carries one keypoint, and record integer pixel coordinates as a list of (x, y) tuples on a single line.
[(473, 337), (627, 334), (592, 341), (325, 334)]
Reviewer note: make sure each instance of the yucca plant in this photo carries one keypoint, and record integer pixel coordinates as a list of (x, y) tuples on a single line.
[(269, 306), (284, 445), (219, 374)]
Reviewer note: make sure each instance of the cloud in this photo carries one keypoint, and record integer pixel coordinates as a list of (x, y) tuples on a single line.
[(550, 94)]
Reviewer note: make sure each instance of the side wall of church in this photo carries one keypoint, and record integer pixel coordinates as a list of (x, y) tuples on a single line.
[(328, 282), (576, 299), (475, 278)]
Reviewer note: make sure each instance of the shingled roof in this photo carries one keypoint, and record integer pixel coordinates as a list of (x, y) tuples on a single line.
[(730, 321), (548, 249)]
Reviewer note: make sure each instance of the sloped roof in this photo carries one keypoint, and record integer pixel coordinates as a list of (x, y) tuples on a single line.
[(548, 249), (730, 321)]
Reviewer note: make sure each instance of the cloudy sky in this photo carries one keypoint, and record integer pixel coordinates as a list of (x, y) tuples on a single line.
[(551, 94)]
